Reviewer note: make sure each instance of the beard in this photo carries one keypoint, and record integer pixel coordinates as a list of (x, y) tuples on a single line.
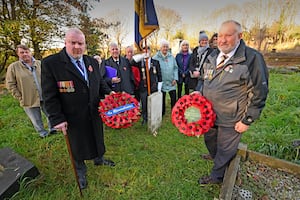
[(77, 53)]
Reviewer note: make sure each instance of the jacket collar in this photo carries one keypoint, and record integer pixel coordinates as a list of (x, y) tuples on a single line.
[(69, 65), (238, 57)]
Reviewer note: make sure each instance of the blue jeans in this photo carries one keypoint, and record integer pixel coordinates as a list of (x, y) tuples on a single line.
[(35, 116)]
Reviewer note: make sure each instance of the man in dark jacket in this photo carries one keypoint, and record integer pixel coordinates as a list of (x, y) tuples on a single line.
[(154, 75), (71, 85), (122, 80), (236, 82)]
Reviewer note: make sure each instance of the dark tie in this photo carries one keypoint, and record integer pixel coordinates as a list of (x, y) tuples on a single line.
[(80, 66), (221, 64), (117, 62)]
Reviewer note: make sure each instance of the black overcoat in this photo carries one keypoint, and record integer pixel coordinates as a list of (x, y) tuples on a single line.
[(123, 71), (68, 97), (154, 72)]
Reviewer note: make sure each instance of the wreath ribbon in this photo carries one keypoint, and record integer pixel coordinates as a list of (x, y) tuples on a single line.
[(119, 110)]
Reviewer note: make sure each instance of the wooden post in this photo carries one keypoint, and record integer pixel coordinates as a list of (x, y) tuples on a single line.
[(229, 178)]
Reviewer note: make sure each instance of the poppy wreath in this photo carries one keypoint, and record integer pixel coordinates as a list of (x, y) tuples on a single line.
[(119, 110), (193, 115)]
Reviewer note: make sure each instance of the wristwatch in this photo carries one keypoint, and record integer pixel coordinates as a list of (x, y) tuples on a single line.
[(248, 120)]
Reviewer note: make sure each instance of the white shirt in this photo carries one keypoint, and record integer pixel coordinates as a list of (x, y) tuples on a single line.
[(229, 55)]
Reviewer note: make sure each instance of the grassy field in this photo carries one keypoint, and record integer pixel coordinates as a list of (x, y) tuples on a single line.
[(163, 167)]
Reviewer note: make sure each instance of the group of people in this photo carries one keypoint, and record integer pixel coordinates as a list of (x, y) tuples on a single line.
[(231, 75), (132, 76), (167, 74)]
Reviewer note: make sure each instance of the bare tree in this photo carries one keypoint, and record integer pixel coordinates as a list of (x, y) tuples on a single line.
[(169, 22), (117, 31)]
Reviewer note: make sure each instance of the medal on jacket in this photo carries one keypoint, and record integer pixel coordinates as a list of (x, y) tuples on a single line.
[(209, 74), (143, 73), (65, 86), (144, 76), (154, 68), (229, 69)]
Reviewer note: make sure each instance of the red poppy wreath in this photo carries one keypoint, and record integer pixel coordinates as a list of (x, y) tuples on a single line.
[(193, 115), (119, 110)]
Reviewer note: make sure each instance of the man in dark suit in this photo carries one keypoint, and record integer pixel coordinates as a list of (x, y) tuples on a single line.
[(154, 74), (123, 81), (71, 85)]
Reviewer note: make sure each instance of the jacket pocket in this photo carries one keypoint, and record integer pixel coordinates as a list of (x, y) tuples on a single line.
[(227, 110)]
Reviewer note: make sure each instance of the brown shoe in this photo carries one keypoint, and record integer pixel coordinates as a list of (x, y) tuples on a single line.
[(206, 157), (208, 180)]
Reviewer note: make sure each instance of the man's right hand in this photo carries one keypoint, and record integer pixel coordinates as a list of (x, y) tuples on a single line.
[(62, 127), (196, 92), (116, 80), (196, 74)]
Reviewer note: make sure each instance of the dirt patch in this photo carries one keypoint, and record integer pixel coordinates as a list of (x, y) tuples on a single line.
[(260, 182), (282, 59)]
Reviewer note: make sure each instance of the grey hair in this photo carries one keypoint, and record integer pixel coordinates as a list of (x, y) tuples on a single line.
[(164, 42), (21, 46), (184, 42), (129, 47), (74, 30), (96, 56), (113, 44), (237, 25)]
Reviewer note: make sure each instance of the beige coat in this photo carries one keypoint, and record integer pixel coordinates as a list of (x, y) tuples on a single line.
[(20, 82)]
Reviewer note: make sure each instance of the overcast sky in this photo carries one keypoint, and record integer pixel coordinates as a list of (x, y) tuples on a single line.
[(186, 8), (190, 10)]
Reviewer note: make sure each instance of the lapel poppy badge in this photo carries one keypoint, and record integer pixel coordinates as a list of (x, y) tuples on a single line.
[(90, 68)]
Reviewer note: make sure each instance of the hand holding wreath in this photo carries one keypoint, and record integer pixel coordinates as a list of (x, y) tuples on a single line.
[(193, 115)]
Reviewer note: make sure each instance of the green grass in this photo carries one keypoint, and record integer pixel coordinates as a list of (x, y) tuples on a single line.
[(279, 123), (163, 167)]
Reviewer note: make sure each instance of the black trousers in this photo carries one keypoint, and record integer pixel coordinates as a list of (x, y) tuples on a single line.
[(137, 95), (222, 144), (143, 97), (172, 95), (80, 168), (186, 89)]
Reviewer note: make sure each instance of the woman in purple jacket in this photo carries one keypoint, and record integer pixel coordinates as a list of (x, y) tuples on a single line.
[(183, 61)]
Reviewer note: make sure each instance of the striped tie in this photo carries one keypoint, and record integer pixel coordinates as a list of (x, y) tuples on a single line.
[(79, 65), (81, 68), (221, 64)]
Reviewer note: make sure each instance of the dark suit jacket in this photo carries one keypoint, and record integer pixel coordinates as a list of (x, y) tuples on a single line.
[(123, 71), (68, 97), (154, 72)]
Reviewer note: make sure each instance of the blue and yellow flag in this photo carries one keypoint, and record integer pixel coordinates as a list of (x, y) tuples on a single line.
[(145, 20)]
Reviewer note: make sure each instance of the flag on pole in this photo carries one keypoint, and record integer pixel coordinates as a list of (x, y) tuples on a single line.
[(145, 20)]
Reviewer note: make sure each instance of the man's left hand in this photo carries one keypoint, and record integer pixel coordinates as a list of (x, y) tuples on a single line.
[(241, 127)]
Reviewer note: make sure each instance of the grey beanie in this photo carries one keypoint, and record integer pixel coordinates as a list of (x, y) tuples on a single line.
[(202, 35)]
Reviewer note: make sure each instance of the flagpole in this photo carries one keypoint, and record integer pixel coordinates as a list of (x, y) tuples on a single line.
[(147, 69)]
